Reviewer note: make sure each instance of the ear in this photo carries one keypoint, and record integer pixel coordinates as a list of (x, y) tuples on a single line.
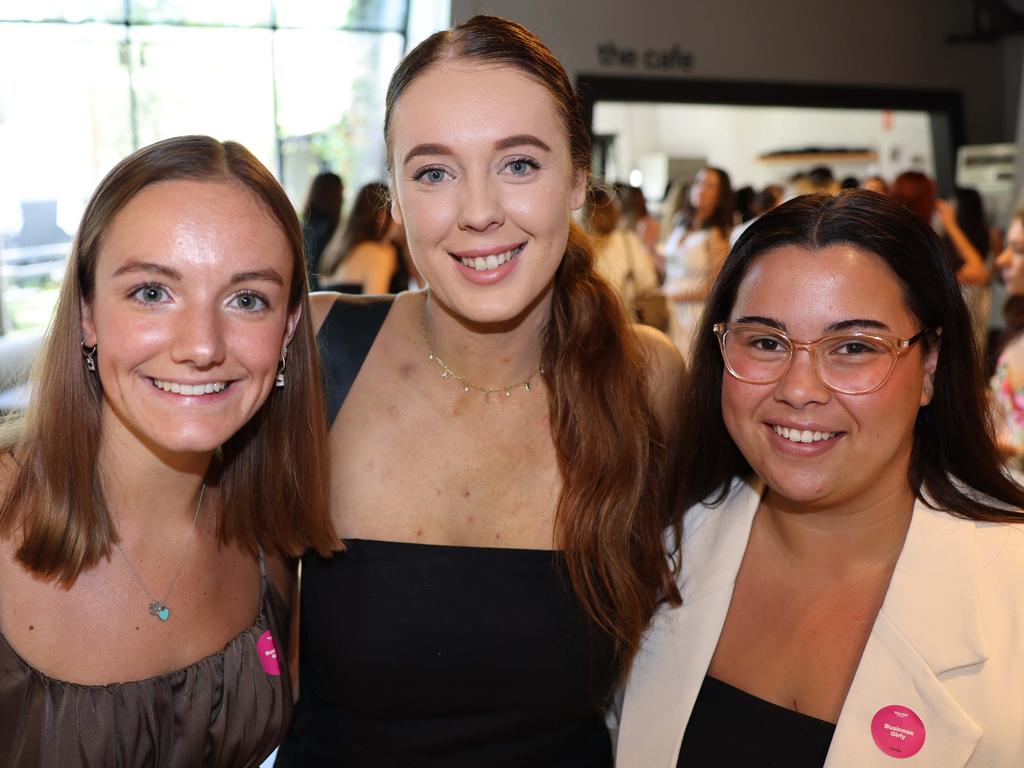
[(579, 190), (291, 324), (931, 365), (396, 209), (88, 327)]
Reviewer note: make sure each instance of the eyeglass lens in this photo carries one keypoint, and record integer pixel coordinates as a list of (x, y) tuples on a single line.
[(847, 363)]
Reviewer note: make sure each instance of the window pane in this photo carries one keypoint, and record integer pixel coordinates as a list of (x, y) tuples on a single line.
[(236, 13), (217, 82), (383, 15), (62, 10), (61, 130), (340, 127)]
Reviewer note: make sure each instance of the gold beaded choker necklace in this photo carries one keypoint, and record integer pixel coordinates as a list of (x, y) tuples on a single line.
[(448, 373)]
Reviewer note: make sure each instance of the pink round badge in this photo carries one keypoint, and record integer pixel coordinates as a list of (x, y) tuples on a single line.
[(267, 651), (897, 731)]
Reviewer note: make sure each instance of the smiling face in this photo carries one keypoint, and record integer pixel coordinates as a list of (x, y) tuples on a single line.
[(484, 185), (1011, 260), (189, 314), (863, 451)]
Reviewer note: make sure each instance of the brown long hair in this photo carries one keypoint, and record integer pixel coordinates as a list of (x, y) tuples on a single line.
[(369, 219), (272, 472), (612, 456), (954, 459)]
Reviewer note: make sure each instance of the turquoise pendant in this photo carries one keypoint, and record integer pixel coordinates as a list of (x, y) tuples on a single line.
[(160, 610)]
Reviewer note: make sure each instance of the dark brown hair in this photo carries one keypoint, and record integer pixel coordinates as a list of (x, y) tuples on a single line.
[(611, 454), (272, 471), (954, 455), (600, 213), (369, 219)]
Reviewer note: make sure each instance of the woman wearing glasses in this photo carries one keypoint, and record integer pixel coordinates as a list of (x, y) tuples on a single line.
[(852, 559)]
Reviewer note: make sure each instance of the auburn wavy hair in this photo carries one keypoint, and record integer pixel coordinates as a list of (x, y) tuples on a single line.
[(273, 470), (612, 455)]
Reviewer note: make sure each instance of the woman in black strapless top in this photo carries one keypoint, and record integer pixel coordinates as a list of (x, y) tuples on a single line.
[(498, 451)]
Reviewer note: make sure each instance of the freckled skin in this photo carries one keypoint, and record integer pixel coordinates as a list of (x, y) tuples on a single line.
[(192, 328)]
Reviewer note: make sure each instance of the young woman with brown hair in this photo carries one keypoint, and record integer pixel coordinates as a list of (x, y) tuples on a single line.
[(159, 476), (498, 463), (853, 549)]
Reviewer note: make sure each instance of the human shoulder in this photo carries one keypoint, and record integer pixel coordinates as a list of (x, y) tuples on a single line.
[(322, 302), (1012, 357), (666, 375)]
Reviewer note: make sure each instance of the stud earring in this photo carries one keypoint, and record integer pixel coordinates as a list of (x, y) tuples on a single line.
[(89, 353)]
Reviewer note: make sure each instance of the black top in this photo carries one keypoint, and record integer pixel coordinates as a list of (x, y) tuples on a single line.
[(730, 727), (429, 655), (419, 655)]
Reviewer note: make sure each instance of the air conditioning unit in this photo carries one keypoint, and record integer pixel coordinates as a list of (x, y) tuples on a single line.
[(990, 169)]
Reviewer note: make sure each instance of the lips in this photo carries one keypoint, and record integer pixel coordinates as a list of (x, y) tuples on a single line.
[(191, 390)]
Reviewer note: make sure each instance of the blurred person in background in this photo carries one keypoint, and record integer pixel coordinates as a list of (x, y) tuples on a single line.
[(1007, 382), (695, 250), (875, 184), (919, 193), (635, 216), (320, 216), (619, 254), (363, 258)]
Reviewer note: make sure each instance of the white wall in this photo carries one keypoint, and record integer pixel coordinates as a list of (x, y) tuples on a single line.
[(880, 43), (733, 138)]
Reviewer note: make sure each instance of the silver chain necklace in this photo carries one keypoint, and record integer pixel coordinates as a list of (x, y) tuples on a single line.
[(448, 373), (158, 608)]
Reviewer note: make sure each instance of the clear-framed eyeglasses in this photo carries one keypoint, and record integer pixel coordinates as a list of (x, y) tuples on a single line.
[(848, 363)]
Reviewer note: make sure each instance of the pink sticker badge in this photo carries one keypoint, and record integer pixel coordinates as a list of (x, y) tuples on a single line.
[(897, 731), (267, 651)]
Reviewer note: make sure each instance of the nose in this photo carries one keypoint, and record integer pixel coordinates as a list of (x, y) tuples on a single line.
[(1004, 259), (480, 206), (198, 337), (801, 386)]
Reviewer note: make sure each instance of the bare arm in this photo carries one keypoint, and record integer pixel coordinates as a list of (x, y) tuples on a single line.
[(666, 378), (972, 271)]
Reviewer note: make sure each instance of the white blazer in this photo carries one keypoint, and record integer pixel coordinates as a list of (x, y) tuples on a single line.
[(948, 643)]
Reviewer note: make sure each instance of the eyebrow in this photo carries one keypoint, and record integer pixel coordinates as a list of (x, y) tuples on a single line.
[(519, 140), (146, 266), (261, 275), (837, 327)]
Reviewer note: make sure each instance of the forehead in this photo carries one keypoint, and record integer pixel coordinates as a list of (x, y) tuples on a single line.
[(208, 225), (462, 104), (809, 290), (187, 216), (1016, 231)]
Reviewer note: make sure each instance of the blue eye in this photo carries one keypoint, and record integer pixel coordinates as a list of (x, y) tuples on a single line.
[(150, 293), (249, 301), (521, 166), (431, 175)]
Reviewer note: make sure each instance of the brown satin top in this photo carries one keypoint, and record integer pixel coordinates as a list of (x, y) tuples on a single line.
[(228, 709)]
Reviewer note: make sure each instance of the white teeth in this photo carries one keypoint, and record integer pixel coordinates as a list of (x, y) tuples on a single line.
[(189, 389), (493, 261), (803, 436)]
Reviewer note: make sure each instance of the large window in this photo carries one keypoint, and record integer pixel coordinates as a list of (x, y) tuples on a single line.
[(85, 82)]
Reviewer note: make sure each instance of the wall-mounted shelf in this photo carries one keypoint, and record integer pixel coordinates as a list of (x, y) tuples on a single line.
[(807, 158)]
